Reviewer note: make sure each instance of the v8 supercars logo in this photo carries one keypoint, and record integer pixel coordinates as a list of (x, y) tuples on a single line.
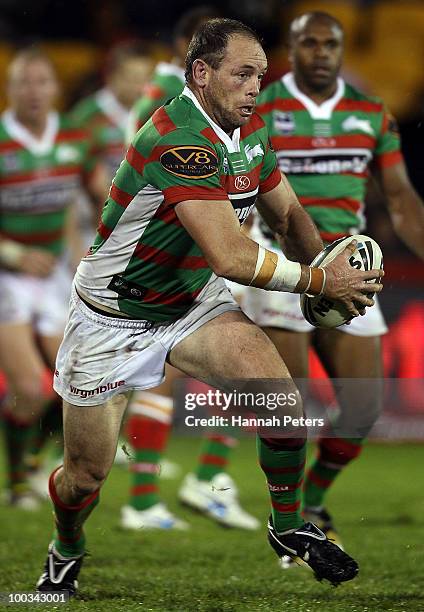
[(190, 162)]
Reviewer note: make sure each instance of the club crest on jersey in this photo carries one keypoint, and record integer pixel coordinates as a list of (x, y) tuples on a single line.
[(190, 162), (242, 182), (353, 123), (284, 122)]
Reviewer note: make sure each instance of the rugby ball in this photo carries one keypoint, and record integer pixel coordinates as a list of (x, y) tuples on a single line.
[(323, 312)]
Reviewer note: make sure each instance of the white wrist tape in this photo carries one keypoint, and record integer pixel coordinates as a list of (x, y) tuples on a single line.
[(274, 272), (286, 276)]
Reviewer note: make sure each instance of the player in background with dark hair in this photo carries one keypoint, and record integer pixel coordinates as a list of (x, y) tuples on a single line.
[(209, 489), (326, 135), (45, 161), (151, 290)]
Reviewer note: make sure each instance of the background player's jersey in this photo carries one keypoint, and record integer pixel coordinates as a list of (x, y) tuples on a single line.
[(39, 179), (143, 261), (325, 150), (106, 120), (167, 82)]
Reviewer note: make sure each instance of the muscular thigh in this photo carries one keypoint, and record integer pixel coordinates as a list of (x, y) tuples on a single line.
[(229, 346)]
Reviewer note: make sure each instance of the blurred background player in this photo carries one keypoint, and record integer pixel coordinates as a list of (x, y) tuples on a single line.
[(105, 113), (44, 163), (326, 135), (210, 489)]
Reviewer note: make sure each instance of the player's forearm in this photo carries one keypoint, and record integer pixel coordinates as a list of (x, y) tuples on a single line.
[(247, 263), (407, 215), (302, 241)]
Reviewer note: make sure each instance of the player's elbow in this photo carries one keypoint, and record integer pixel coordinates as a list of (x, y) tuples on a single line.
[(225, 264), (221, 266)]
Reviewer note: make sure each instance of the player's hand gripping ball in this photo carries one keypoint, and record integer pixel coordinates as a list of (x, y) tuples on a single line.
[(321, 311)]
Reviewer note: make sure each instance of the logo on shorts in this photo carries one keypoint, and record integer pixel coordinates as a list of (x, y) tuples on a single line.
[(242, 182), (190, 162), (90, 392)]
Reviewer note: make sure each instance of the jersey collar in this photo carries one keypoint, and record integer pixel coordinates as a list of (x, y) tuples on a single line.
[(36, 146), (232, 144), (317, 111), (112, 108)]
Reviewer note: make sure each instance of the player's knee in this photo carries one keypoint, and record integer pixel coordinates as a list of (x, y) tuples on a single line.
[(88, 480)]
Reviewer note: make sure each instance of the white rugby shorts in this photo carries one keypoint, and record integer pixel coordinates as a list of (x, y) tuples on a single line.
[(101, 356), (43, 302)]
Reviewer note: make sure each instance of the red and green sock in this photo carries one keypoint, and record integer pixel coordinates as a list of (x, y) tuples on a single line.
[(333, 455), (283, 462), (69, 539), (148, 430), (214, 456)]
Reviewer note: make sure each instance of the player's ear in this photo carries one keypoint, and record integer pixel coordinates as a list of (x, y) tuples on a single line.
[(201, 72)]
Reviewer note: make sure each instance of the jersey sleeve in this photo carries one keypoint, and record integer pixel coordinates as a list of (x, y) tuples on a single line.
[(184, 166), (270, 175), (388, 152)]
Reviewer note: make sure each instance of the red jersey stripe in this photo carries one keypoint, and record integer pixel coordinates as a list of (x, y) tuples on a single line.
[(104, 231), (162, 122), (365, 106), (180, 299), (40, 174), (150, 254), (210, 135), (389, 159), (135, 159), (35, 238), (350, 141), (272, 181), (173, 195), (119, 196), (282, 104), (256, 123), (346, 203)]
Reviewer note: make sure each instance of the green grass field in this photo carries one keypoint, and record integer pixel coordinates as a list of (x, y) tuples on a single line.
[(379, 504)]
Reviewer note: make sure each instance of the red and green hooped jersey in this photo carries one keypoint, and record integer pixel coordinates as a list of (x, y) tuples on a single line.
[(167, 82), (106, 120), (326, 150), (39, 179), (143, 262)]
